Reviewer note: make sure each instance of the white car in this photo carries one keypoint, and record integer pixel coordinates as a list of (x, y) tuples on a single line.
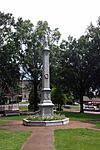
[(89, 107)]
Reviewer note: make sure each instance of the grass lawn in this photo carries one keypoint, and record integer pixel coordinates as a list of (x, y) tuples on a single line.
[(97, 123), (81, 116), (86, 117), (3, 118), (12, 140), (77, 139), (4, 122)]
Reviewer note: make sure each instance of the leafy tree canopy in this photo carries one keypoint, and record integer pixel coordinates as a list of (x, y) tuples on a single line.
[(9, 67), (81, 63)]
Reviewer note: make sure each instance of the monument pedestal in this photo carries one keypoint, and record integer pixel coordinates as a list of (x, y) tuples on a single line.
[(46, 109), (46, 105)]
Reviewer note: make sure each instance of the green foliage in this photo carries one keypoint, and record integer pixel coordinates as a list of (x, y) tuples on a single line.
[(76, 139), (23, 108), (39, 118), (69, 97), (58, 97), (21, 47), (74, 65), (31, 41), (9, 67), (80, 64), (33, 103)]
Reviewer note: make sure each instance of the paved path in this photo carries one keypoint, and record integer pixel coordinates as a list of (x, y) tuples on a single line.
[(42, 138)]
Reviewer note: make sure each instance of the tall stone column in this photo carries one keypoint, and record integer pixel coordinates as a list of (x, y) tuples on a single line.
[(46, 105)]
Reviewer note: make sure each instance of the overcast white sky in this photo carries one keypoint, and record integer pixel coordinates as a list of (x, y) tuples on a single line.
[(71, 16)]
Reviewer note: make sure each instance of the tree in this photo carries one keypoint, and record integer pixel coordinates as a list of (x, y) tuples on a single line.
[(31, 42), (81, 65), (58, 97), (9, 67)]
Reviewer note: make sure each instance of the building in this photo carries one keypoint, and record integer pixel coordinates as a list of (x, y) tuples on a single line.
[(26, 86), (25, 89), (9, 102)]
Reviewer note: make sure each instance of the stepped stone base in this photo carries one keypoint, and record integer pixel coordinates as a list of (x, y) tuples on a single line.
[(45, 123)]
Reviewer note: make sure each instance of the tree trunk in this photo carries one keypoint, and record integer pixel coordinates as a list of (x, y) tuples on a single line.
[(35, 98), (35, 94), (81, 103)]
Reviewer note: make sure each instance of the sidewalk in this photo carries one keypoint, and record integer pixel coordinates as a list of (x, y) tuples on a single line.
[(42, 138)]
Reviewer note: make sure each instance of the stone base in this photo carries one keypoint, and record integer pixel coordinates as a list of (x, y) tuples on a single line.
[(46, 109), (45, 123)]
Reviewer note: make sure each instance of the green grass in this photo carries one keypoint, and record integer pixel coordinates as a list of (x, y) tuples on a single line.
[(97, 124), (4, 122), (12, 118), (12, 140), (81, 116), (85, 117), (77, 139)]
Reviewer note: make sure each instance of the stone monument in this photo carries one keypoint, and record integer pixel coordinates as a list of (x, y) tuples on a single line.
[(46, 105)]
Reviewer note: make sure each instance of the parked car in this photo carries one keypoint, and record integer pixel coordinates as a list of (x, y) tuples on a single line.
[(76, 103), (90, 107)]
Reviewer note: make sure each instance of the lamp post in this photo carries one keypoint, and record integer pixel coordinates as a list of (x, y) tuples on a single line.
[(46, 105)]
